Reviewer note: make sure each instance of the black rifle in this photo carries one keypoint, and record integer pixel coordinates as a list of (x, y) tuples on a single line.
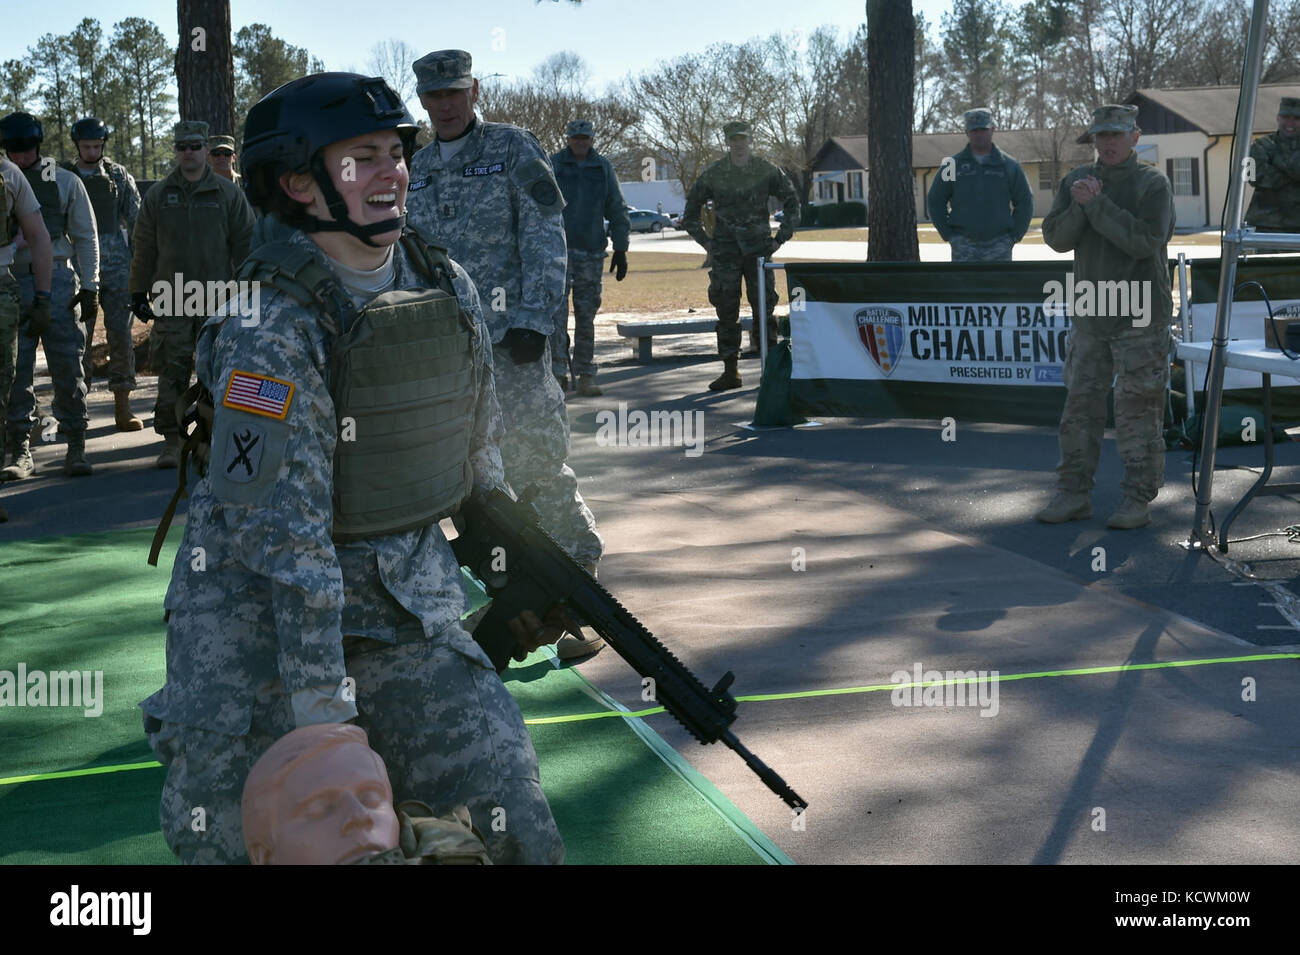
[(524, 569)]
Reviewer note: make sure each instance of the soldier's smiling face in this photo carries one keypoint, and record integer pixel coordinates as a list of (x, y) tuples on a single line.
[(370, 174), (1288, 126), (450, 111)]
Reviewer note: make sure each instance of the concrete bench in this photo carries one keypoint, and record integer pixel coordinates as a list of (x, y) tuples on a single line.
[(644, 332)]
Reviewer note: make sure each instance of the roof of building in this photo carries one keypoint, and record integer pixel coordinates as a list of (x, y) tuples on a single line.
[(930, 149), (1213, 109)]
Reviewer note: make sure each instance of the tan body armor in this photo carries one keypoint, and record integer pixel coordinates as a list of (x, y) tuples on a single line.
[(47, 194)]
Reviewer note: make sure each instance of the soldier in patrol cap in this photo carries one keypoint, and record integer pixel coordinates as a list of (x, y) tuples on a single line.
[(487, 190), (1117, 216), (70, 221), (193, 226), (591, 195), (329, 593), (19, 209), (1275, 206), (980, 201), (116, 201), (221, 157), (739, 186)]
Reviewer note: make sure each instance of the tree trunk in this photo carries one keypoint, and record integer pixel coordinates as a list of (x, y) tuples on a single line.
[(891, 205), (205, 73)]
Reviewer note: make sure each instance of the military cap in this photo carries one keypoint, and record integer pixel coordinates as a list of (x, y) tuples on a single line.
[(735, 128), (978, 118), (221, 142), (443, 70), (1290, 106), (1113, 119), (579, 127), (190, 129)]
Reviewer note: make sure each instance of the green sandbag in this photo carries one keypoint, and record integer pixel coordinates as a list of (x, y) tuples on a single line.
[(772, 408)]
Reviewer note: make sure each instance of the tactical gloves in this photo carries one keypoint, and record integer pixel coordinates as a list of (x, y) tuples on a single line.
[(89, 304), (618, 265), (141, 308), (36, 316), (525, 345)]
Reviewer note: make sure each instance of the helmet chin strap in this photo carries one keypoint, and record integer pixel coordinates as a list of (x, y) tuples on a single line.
[(339, 210)]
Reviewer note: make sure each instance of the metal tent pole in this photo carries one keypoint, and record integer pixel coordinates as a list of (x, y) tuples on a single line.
[(1228, 269)]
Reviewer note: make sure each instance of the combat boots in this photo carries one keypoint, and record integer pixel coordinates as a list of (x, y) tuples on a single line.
[(1131, 514), (1066, 506), (20, 463), (122, 412), (730, 377), (588, 388), (171, 453), (75, 463), (571, 646)]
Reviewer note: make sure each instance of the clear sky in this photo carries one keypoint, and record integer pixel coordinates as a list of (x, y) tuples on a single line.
[(615, 37)]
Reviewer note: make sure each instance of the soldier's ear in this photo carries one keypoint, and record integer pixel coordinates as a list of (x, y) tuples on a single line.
[(259, 854)]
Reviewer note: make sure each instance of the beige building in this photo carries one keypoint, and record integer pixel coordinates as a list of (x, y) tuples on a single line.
[(1186, 132)]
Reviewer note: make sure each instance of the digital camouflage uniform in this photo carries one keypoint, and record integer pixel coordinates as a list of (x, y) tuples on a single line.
[(496, 208), (202, 231), (116, 201), (70, 220), (16, 199), (741, 233), (1275, 206), (1120, 235), (277, 610), (591, 195)]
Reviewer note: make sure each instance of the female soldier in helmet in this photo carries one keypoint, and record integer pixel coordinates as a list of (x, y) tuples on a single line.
[(354, 408)]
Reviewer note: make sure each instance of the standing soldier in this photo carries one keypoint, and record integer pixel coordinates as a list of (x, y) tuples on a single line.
[(1117, 215), (1275, 206), (221, 157), (19, 210), (980, 202), (739, 186), (487, 191), (70, 222), (116, 201), (193, 226), (591, 194)]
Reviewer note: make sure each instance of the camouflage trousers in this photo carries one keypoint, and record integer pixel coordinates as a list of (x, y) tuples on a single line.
[(171, 353), (447, 729), (115, 306), (1138, 362), (10, 313), (583, 280), (64, 344), (729, 266), (534, 445), (981, 250)]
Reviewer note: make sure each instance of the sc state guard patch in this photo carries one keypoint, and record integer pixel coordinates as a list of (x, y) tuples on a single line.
[(258, 394), (243, 458), (544, 192), (536, 178)]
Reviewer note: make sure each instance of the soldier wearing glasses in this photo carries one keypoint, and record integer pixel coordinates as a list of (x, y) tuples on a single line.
[(193, 225)]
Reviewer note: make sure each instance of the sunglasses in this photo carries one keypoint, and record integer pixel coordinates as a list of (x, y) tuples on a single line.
[(188, 147), (220, 152)]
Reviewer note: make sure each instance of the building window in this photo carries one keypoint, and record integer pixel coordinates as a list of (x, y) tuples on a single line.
[(1183, 174), (1047, 177), (825, 190), (855, 185)]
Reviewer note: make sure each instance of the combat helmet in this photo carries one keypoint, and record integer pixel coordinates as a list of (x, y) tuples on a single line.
[(288, 129), (89, 128), (21, 128)]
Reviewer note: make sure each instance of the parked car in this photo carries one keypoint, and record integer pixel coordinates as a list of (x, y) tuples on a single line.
[(647, 220)]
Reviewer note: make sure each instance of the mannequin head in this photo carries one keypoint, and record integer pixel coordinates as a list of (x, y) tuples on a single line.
[(319, 796)]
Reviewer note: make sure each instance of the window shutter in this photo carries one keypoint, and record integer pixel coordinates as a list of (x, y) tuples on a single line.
[(1196, 176), (1169, 170)]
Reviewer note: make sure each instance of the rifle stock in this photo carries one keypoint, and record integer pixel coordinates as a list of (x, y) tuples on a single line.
[(523, 568)]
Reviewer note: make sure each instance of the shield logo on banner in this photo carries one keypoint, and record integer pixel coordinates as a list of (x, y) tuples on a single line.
[(881, 331)]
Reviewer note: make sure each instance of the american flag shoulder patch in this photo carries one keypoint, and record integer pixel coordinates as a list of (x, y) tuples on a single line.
[(258, 394)]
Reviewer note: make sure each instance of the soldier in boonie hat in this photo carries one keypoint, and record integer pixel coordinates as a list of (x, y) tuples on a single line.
[(443, 70), (189, 130), (978, 118), (221, 157), (579, 127), (735, 128)]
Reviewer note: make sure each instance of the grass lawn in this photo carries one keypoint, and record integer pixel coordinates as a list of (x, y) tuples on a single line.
[(665, 281)]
